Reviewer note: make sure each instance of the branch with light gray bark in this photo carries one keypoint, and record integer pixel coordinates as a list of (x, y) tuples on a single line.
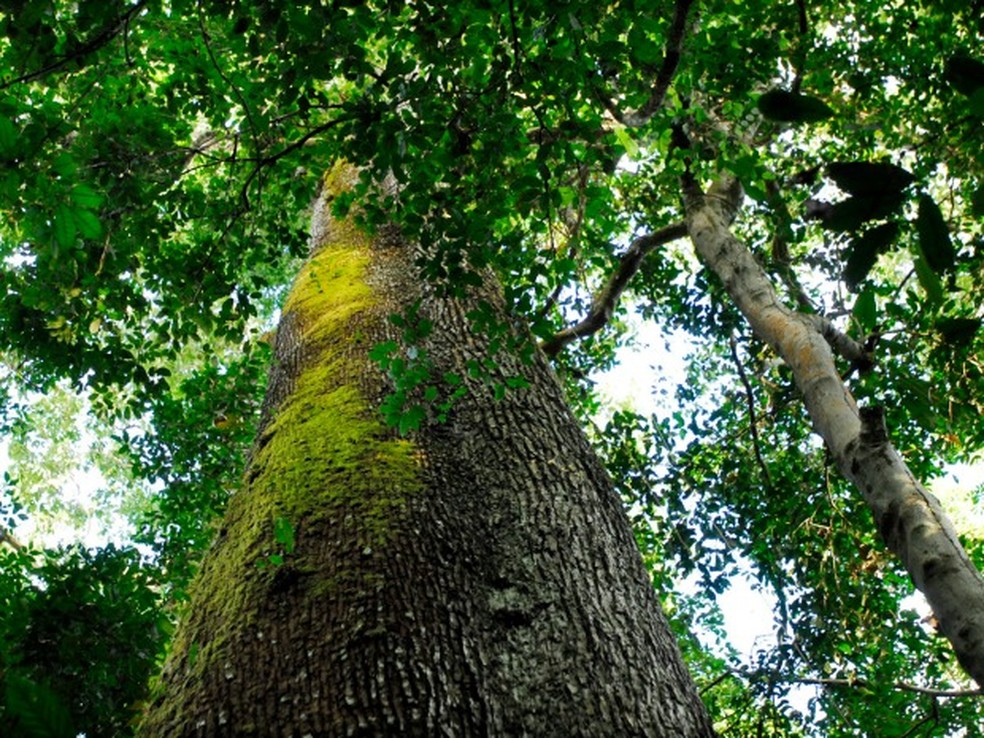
[(8, 538), (909, 518)]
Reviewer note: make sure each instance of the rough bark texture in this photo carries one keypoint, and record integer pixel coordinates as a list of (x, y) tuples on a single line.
[(909, 518), (479, 578)]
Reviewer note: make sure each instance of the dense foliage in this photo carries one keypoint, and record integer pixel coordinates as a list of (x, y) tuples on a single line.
[(158, 164)]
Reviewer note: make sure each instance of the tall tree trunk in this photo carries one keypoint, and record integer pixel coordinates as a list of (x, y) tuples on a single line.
[(909, 518), (478, 578)]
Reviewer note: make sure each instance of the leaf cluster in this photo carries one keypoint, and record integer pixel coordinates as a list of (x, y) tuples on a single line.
[(81, 634)]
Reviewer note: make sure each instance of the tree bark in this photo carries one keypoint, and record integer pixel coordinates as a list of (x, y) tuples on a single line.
[(909, 518), (477, 578)]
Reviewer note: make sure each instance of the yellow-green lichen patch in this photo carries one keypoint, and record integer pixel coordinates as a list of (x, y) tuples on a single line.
[(327, 448), (330, 290), (327, 452), (327, 462)]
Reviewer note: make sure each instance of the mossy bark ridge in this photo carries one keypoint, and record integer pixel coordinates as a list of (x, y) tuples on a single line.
[(476, 578)]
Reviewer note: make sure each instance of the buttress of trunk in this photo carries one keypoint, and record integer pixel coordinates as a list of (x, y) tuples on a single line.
[(477, 578)]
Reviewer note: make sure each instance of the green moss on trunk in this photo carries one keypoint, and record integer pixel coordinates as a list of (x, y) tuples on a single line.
[(328, 448), (326, 462)]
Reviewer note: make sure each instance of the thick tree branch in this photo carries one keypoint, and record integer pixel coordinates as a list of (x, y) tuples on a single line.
[(842, 344), (604, 303), (908, 517), (8, 538)]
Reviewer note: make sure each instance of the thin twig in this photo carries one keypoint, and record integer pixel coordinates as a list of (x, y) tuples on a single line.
[(708, 687), (840, 342), (900, 686), (832, 682), (752, 417), (517, 53), (265, 161), (570, 248), (804, 29), (254, 130), (261, 163), (126, 42), (97, 42), (780, 248)]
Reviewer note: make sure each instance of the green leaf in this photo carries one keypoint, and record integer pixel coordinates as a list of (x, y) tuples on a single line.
[(977, 103), (958, 331), (517, 382), (64, 165), (642, 47), (423, 328), (866, 311), (977, 202), (928, 279), (36, 710), (283, 533), (965, 73), (754, 190), (8, 136), (64, 224), (86, 197), (10, 183), (626, 141), (934, 237), (87, 223), (411, 419), (392, 407), (916, 394), (792, 107), (869, 178), (382, 351), (864, 251)]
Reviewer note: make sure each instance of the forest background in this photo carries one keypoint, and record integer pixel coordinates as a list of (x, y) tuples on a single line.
[(160, 164)]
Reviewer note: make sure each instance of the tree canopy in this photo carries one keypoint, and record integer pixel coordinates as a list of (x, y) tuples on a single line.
[(159, 164)]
